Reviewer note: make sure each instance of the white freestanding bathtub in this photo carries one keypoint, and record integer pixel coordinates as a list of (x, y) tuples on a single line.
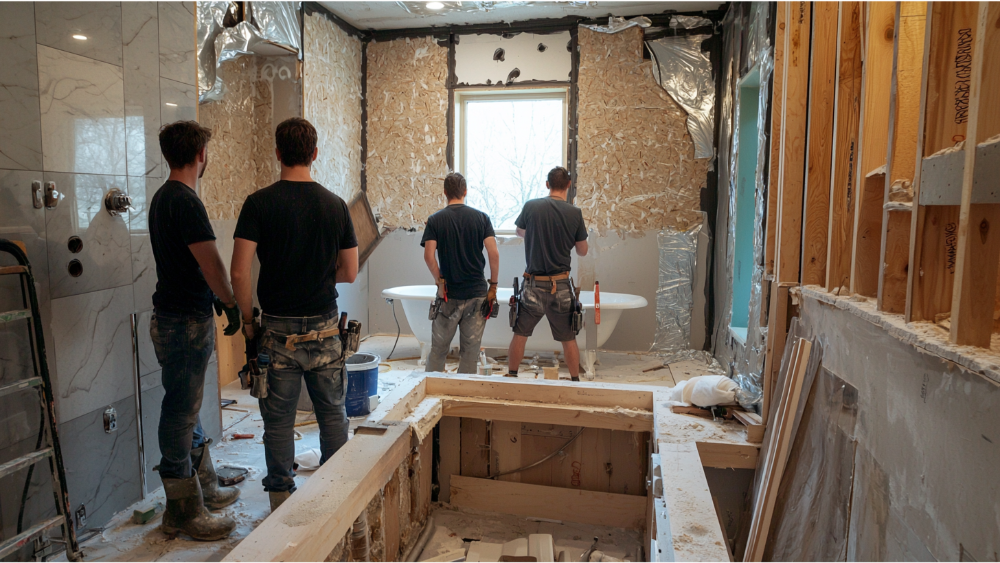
[(416, 300)]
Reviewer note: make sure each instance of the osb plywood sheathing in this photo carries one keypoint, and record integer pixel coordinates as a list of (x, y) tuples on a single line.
[(407, 129), (636, 169), (241, 153), (332, 96)]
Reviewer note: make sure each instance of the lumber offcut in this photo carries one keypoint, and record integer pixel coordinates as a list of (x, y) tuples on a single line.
[(556, 503)]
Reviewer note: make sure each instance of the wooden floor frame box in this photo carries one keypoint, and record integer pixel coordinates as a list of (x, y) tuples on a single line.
[(641, 468)]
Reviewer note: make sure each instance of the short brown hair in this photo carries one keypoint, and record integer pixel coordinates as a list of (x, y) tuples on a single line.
[(296, 141), (558, 178), (181, 141), (454, 186)]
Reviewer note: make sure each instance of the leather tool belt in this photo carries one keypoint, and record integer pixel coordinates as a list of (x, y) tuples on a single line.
[(553, 279), (293, 339)]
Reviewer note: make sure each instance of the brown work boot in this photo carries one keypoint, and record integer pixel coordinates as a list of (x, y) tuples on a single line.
[(215, 495), (186, 512), (277, 497)]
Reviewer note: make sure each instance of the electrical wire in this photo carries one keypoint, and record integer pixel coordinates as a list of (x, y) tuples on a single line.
[(399, 331), (541, 461)]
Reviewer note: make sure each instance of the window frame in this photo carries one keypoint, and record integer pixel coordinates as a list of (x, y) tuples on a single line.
[(464, 96)]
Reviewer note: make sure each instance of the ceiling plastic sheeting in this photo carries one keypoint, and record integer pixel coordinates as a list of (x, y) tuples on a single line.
[(685, 72), (689, 22), (274, 24), (618, 24), (421, 9)]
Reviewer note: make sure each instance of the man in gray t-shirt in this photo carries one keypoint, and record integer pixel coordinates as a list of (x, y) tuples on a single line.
[(552, 228)]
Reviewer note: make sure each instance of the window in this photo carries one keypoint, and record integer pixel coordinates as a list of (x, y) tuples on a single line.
[(507, 143), (746, 184)]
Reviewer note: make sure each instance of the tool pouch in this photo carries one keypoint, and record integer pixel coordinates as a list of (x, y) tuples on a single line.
[(577, 320), (435, 308), (515, 303), (351, 338), (576, 309), (258, 376)]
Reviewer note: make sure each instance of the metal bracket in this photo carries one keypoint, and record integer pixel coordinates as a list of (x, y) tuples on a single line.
[(37, 198), (51, 195)]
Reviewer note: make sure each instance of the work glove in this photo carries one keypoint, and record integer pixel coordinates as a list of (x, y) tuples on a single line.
[(232, 315), (491, 295), (442, 289)]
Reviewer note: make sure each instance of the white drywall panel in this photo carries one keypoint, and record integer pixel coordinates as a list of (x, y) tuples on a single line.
[(536, 57)]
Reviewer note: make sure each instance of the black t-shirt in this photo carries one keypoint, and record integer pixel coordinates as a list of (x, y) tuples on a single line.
[(460, 231), (177, 218), (300, 228), (552, 228)]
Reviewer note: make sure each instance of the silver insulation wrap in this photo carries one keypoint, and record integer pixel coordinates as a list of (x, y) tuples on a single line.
[(618, 24), (675, 292), (685, 72), (421, 9), (275, 25)]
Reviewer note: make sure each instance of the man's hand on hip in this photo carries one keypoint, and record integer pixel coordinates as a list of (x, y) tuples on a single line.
[(491, 295), (232, 311)]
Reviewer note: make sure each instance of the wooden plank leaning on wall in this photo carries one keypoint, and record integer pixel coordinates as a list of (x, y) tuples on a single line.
[(975, 289), (943, 121), (879, 31), (819, 145), (847, 112), (904, 119)]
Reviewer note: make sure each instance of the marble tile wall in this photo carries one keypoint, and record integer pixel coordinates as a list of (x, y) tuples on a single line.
[(20, 124), (140, 47), (93, 337), (177, 57), (89, 29), (102, 470), (106, 256), (85, 114), (180, 101)]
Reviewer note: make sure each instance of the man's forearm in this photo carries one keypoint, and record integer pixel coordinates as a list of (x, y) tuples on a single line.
[(432, 265), (244, 295)]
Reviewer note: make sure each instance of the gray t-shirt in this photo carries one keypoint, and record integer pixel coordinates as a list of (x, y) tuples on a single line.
[(552, 228)]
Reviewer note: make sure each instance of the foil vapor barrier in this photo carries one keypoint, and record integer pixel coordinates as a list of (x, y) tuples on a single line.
[(685, 72), (273, 24), (619, 24), (421, 9), (675, 292), (689, 22)]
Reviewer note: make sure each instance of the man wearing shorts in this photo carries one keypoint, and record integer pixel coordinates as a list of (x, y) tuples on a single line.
[(551, 228)]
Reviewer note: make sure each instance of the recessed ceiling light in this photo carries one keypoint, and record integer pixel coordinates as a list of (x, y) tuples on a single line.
[(79, 37), (171, 104), (434, 5)]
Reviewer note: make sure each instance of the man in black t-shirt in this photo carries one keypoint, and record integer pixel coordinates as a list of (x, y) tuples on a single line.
[(303, 236), (189, 270), (458, 233), (552, 228)]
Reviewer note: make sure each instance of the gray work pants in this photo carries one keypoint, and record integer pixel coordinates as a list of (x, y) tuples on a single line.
[(463, 314)]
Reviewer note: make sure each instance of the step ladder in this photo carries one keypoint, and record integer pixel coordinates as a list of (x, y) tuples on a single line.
[(42, 384)]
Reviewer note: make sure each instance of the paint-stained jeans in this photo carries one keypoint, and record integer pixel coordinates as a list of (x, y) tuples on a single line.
[(322, 366), (465, 315), (183, 347)]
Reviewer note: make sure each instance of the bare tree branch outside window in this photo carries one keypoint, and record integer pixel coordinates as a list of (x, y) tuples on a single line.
[(510, 147)]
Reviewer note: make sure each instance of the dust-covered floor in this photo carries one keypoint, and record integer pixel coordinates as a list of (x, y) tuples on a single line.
[(454, 528), (122, 540)]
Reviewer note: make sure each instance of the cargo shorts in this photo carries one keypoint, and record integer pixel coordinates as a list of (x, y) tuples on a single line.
[(537, 301)]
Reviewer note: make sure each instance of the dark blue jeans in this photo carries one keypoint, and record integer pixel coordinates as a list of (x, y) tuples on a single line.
[(321, 364), (183, 347)]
